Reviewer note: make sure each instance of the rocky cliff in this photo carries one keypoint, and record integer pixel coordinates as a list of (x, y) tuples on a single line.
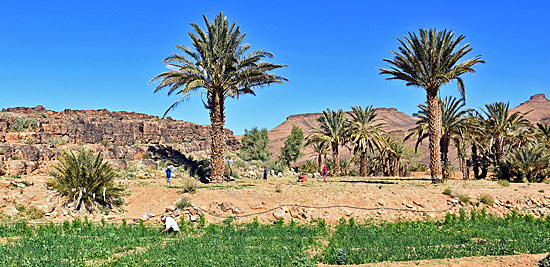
[(32, 138)]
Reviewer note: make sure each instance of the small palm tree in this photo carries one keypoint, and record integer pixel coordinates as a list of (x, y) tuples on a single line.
[(503, 127), (453, 125), (429, 61), (321, 149), (332, 130), (219, 66), (365, 132), (86, 180)]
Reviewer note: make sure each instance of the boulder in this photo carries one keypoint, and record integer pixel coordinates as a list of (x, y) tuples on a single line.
[(194, 217), (347, 212), (294, 212), (279, 214), (170, 208), (226, 206), (10, 211)]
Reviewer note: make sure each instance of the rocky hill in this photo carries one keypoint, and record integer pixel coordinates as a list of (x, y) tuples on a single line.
[(398, 123), (31, 139)]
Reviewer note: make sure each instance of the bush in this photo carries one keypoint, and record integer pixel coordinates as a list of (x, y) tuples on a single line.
[(486, 199), (279, 188), (464, 198), (183, 203), (418, 167), (447, 191), (545, 262), (190, 186), (353, 172), (85, 179), (55, 142), (308, 167), (34, 213), (504, 183), (21, 124)]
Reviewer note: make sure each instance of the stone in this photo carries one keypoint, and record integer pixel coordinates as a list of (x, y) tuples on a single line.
[(226, 206), (257, 207), (238, 211), (10, 211), (347, 212), (294, 212), (381, 202), (279, 214), (279, 174), (194, 217), (409, 206), (46, 208), (170, 208)]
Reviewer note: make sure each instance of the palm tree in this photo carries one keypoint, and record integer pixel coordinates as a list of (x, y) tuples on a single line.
[(332, 129), (543, 134), (219, 66), (453, 124), (365, 131), (320, 148), (503, 127), (429, 61)]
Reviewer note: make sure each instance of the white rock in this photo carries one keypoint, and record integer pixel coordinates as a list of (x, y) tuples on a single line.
[(279, 214)]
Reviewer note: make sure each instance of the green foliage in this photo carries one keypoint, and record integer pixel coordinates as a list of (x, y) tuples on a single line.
[(308, 167), (529, 163), (464, 198), (545, 262), (503, 183), (86, 179), (55, 142), (21, 124), (353, 172), (418, 167), (254, 145), (183, 203), (476, 234), (448, 191), (486, 199), (34, 213), (292, 149), (190, 186)]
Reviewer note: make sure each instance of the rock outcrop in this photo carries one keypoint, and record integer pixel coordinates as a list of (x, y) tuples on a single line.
[(32, 138)]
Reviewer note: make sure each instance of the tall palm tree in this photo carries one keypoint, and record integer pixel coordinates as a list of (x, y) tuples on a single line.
[(429, 61), (219, 65), (365, 132), (320, 148), (503, 127), (332, 129), (453, 124)]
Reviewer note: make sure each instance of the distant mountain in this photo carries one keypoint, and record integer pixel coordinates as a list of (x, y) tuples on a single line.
[(398, 123), (537, 109)]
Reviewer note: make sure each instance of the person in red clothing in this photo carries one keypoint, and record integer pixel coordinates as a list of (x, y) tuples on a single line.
[(325, 171)]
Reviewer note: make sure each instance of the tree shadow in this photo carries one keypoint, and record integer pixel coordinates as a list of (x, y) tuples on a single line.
[(197, 167), (366, 182)]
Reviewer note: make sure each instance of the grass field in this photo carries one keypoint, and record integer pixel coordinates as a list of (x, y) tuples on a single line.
[(81, 243)]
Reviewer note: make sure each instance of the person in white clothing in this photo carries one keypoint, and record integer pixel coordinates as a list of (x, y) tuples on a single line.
[(171, 226)]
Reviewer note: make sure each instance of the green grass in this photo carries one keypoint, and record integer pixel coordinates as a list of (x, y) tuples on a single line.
[(80, 243)]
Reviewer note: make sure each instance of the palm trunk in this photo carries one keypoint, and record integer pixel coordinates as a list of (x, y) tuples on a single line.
[(444, 148), (217, 119), (319, 163), (335, 159), (499, 150), (363, 164), (434, 125)]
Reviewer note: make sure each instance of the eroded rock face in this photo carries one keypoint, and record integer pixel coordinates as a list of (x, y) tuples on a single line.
[(120, 136)]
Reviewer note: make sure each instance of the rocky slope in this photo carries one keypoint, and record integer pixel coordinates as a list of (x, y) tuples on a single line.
[(398, 123), (32, 138)]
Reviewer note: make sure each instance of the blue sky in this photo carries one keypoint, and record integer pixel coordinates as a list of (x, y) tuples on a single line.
[(101, 54)]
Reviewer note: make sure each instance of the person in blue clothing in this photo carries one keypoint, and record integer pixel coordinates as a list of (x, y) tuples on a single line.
[(168, 171)]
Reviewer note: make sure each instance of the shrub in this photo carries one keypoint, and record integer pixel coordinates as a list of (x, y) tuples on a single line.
[(279, 188), (21, 124), (85, 179), (464, 198), (190, 186), (447, 191), (55, 142), (308, 167), (183, 203), (418, 167), (545, 262), (486, 199), (504, 183), (353, 172), (34, 213)]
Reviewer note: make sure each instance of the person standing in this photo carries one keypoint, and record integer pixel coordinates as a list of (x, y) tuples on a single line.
[(325, 173), (168, 171), (265, 174)]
